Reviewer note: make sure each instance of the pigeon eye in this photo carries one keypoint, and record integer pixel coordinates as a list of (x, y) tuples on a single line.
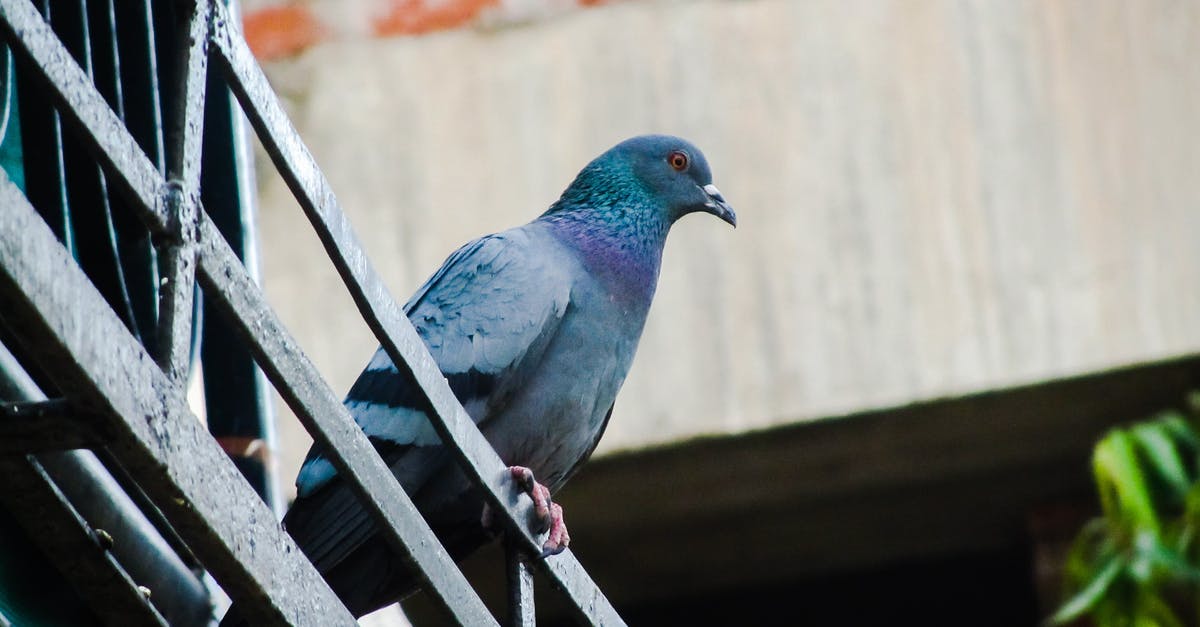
[(678, 160)]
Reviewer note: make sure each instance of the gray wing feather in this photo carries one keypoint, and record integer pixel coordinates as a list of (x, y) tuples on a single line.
[(490, 309)]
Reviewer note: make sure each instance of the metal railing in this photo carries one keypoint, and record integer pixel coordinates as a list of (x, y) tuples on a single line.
[(137, 403)]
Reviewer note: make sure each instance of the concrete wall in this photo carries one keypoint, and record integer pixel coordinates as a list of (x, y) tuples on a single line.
[(935, 197)]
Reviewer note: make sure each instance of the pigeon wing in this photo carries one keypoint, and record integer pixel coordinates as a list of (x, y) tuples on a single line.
[(487, 316)]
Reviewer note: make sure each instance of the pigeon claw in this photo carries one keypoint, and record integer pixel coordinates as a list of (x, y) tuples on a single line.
[(559, 538), (549, 513)]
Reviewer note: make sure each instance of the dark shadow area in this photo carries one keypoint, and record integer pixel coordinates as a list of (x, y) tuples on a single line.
[(924, 513), (981, 590)]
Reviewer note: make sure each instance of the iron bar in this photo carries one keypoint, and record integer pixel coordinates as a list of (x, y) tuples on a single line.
[(138, 50), (85, 183), (177, 592), (330, 423), (186, 137), (387, 320), (293, 375), (226, 274), (237, 393), (97, 361), (59, 531), (49, 509), (130, 250), (520, 587), (42, 144), (178, 287), (135, 177)]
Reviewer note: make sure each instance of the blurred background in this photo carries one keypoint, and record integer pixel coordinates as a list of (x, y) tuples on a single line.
[(967, 246)]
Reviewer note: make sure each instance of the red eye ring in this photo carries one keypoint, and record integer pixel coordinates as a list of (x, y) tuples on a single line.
[(678, 160)]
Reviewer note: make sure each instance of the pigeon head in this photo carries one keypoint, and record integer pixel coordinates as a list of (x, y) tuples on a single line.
[(656, 177), (675, 173)]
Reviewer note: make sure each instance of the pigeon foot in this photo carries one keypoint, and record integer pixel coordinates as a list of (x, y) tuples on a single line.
[(549, 513)]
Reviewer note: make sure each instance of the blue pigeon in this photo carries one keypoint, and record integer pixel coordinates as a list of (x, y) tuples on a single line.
[(535, 329)]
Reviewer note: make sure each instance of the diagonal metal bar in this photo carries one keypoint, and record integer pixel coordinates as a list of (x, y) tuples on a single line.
[(220, 270), (329, 422), (92, 491), (89, 115), (387, 320), (92, 357), (136, 178), (176, 591), (186, 138), (65, 537)]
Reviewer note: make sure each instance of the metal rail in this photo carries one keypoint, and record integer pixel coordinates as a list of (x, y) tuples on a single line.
[(184, 471), (38, 504), (93, 358), (388, 322)]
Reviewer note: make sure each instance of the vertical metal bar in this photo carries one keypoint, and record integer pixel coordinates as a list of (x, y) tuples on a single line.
[(94, 360), (520, 587), (388, 322), (185, 131), (183, 165), (132, 253), (42, 148), (329, 422), (139, 74), (87, 187), (175, 309), (237, 393), (11, 158)]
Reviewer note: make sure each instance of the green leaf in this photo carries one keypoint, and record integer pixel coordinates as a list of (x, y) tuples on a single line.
[(1153, 611), (1122, 485), (1172, 562), (1159, 450), (1091, 594), (1182, 430)]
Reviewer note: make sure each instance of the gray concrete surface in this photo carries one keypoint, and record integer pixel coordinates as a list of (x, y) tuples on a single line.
[(936, 197)]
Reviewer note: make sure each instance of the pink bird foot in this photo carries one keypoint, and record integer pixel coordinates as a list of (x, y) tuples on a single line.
[(548, 512)]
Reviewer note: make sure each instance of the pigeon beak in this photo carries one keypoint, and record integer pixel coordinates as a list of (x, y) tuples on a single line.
[(717, 206)]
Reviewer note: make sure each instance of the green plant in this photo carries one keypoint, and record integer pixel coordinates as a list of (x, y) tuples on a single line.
[(1138, 565)]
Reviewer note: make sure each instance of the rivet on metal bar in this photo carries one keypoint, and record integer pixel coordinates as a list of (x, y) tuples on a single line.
[(69, 542)]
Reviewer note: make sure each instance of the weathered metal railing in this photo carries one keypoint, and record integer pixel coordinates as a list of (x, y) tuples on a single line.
[(92, 357)]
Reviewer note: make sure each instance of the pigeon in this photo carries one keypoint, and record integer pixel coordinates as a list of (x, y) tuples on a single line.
[(535, 329)]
